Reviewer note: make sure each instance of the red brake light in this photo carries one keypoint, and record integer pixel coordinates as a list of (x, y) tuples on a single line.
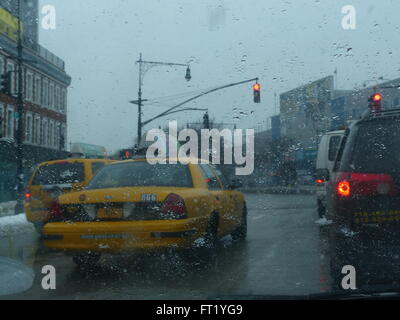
[(365, 184), (174, 205), (343, 188), (319, 181), (27, 196)]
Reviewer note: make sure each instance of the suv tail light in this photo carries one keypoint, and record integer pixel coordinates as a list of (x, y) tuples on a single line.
[(364, 184), (174, 205)]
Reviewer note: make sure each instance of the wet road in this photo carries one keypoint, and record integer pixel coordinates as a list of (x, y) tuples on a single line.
[(282, 255)]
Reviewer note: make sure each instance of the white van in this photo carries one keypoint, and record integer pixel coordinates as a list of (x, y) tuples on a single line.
[(327, 150)]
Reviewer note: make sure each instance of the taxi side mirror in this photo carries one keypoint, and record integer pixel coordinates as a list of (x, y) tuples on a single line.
[(235, 184)]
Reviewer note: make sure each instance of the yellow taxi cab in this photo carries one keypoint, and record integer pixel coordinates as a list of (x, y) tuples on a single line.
[(51, 179), (135, 205)]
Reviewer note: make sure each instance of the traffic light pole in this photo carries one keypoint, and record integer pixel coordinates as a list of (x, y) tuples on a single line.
[(20, 107), (170, 110)]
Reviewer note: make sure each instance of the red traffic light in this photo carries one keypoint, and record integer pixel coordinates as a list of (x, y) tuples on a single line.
[(375, 102), (377, 97), (256, 93), (256, 87)]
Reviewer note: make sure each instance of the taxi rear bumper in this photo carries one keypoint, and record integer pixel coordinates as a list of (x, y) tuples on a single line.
[(123, 235)]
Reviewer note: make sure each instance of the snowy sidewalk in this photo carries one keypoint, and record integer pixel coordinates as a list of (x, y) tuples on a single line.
[(15, 224), (7, 208)]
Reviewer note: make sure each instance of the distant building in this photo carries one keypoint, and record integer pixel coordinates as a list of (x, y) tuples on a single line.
[(45, 85), (308, 111)]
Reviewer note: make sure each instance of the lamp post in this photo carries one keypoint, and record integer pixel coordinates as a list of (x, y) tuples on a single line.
[(20, 109), (144, 66)]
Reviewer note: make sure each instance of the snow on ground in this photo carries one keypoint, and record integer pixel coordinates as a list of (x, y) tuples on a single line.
[(15, 224), (323, 222), (7, 208)]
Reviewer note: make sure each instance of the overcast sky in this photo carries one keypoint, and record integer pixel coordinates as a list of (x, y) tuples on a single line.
[(284, 43)]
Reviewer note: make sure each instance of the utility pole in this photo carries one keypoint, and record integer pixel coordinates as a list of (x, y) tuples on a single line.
[(139, 102), (20, 107), (144, 66)]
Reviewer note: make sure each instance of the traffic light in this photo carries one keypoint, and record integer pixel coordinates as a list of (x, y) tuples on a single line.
[(5, 82), (256, 92), (125, 154), (375, 102)]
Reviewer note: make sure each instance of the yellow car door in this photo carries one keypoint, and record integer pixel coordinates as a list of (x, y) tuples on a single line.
[(233, 210), (217, 193)]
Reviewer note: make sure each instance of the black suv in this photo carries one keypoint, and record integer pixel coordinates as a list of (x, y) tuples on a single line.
[(363, 199)]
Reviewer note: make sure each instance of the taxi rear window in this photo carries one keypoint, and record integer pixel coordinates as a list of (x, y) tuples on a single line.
[(59, 173), (142, 173)]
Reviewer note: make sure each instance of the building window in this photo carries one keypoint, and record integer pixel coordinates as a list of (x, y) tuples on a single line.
[(64, 101), (29, 85), (28, 133), (50, 134), (37, 130), (2, 122), (38, 91), (51, 96), (10, 122), (57, 98), (396, 102), (63, 136), (45, 93), (11, 68), (1, 66), (45, 132), (55, 139)]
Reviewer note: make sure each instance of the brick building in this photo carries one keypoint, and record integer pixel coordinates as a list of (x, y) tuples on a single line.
[(45, 85)]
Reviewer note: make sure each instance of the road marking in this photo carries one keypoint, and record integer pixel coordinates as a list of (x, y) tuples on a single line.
[(258, 217)]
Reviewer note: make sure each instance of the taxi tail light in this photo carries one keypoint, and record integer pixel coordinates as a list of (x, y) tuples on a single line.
[(55, 209), (365, 184), (27, 195), (174, 204)]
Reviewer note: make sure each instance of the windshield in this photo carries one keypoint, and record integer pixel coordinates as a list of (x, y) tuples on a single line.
[(192, 130), (141, 174)]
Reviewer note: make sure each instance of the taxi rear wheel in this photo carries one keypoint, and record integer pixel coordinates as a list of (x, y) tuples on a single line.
[(86, 259), (211, 237), (241, 232), (38, 227)]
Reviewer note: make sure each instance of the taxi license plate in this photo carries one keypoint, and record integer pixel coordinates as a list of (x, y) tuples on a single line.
[(109, 213)]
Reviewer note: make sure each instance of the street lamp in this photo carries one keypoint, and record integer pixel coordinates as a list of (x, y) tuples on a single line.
[(145, 66), (188, 75)]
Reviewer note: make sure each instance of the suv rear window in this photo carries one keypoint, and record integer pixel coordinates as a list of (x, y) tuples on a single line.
[(59, 173), (377, 147), (334, 142), (142, 173)]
